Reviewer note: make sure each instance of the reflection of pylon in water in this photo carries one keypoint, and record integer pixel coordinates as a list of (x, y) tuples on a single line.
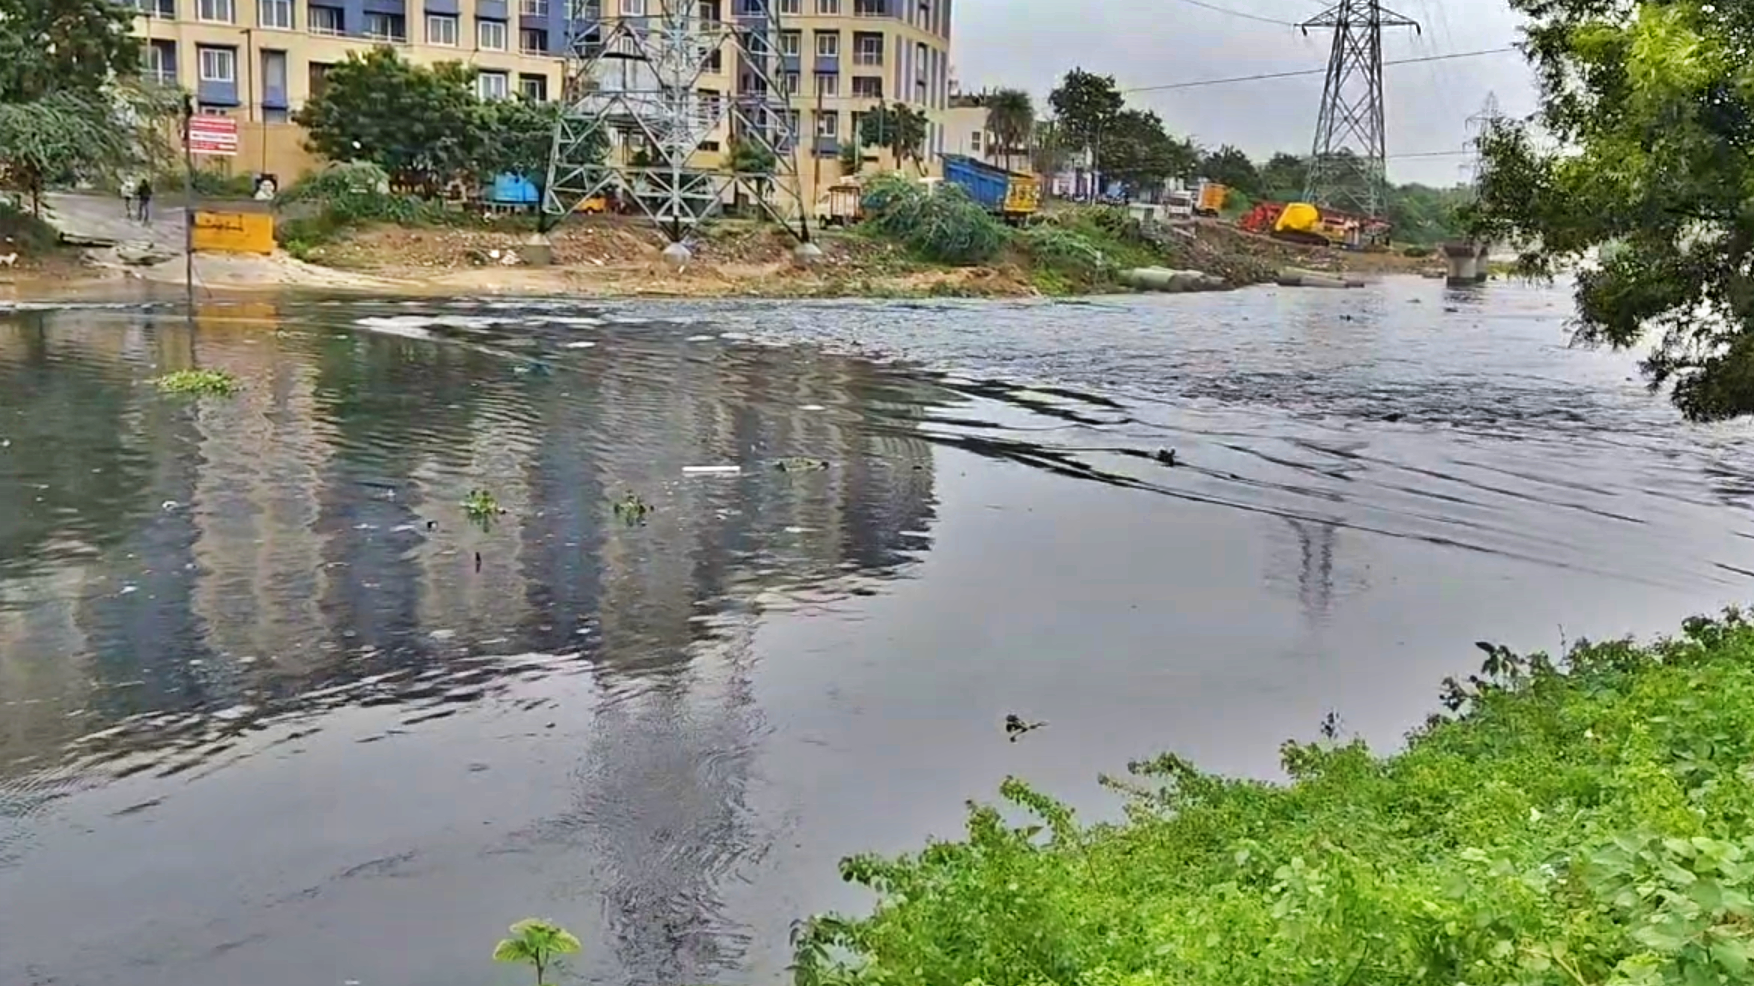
[(1315, 577)]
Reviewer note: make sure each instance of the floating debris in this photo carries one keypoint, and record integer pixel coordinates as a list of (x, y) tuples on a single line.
[(1165, 456), (1015, 726), (201, 383), (800, 464), (480, 505), (633, 509), (712, 470)]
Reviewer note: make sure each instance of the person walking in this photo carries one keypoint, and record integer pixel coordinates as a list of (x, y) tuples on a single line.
[(143, 195), (129, 184)]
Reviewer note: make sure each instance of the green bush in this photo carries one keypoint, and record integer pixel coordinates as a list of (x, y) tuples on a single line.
[(941, 225), (1416, 251), (345, 196), (1067, 253), (1587, 822)]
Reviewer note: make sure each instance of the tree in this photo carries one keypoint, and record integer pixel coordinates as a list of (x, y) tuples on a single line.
[(1048, 148), (49, 46), (517, 138), (1011, 120), (421, 124), (1085, 105), (897, 127), (753, 162), (1283, 177), (1653, 115), (851, 158), (1137, 152), (1231, 167)]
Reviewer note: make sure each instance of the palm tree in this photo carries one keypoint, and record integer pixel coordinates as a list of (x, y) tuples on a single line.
[(1010, 118)]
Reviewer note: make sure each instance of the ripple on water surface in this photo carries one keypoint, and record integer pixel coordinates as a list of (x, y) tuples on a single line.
[(268, 695)]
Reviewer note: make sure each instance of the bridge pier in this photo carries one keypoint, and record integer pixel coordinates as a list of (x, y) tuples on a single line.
[(1467, 263)]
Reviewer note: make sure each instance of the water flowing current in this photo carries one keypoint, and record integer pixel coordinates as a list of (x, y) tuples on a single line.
[(273, 711)]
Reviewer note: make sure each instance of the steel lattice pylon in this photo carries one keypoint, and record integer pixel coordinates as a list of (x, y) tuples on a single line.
[(637, 75), (1347, 164)]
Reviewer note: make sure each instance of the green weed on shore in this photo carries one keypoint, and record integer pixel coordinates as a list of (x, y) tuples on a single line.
[(1581, 822)]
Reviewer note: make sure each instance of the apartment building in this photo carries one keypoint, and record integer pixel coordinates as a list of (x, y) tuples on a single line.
[(259, 60)]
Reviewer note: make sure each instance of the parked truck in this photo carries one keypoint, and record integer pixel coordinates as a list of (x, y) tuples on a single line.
[(1011, 195)]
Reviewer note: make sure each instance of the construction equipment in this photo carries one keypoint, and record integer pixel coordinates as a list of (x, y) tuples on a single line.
[(1010, 195), (1210, 198), (841, 204)]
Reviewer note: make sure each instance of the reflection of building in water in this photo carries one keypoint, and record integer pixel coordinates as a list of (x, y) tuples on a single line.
[(1315, 574), (256, 501)]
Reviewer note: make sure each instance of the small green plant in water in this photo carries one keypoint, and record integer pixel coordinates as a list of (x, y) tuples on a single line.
[(202, 383), (633, 509), (480, 505), (537, 944)]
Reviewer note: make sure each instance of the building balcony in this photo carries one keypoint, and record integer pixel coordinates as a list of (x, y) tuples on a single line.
[(827, 146), (866, 59), (826, 65)]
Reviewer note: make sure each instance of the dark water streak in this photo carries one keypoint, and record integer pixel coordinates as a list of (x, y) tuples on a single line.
[(261, 710)]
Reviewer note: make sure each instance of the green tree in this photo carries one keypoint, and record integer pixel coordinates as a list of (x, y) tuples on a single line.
[(851, 158), (1139, 153), (1231, 167), (1651, 108), (421, 124), (1283, 177), (49, 46), (897, 127), (1048, 149), (1085, 105), (1011, 121)]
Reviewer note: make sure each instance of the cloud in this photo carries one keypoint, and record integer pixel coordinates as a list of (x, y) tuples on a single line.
[(1029, 44)]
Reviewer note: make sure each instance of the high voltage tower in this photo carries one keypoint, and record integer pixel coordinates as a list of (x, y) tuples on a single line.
[(1478, 126), (1347, 164), (633, 84)]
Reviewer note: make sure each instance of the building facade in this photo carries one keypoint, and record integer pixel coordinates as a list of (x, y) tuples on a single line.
[(259, 60)]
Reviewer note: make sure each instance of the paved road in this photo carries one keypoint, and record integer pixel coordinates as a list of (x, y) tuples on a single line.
[(99, 217)]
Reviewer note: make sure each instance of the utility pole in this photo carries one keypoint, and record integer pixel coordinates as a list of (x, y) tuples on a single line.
[(1348, 167)]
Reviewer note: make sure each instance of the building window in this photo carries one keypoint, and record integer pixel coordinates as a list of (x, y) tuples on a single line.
[(793, 7), (273, 114), (218, 65), (385, 27), (789, 83), (533, 8), (828, 8), (319, 78), (791, 43), (709, 12), (870, 8), (218, 11), (827, 124), (633, 8), (441, 29), (490, 35), (867, 49), (161, 9), (532, 41), (827, 44), (323, 20), (276, 14), (827, 84), (274, 77), (867, 87), (533, 88), (161, 62), (491, 85)]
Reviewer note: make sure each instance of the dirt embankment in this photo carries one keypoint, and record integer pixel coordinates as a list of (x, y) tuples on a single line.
[(613, 256)]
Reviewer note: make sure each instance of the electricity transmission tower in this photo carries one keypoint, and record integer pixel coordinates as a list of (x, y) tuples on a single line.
[(1347, 164), (1478, 125), (634, 85)]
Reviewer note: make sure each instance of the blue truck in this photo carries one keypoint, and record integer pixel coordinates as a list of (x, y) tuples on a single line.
[(1010, 195)]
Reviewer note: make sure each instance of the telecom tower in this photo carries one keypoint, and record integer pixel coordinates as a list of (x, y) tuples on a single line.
[(1347, 167), (633, 81)]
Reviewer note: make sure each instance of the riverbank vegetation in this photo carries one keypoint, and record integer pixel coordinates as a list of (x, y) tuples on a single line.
[(1581, 822), (1638, 157)]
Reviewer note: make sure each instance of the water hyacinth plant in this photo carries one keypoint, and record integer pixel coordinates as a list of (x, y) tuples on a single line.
[(537, 944), (199, 383)]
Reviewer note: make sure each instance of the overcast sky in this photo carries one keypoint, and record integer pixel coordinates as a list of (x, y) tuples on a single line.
[(1029, 44)]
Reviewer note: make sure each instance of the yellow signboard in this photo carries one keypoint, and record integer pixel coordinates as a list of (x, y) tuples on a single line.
[(234, 232)]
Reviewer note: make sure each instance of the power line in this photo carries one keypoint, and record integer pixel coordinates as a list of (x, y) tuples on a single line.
[(1315, 71), (1239, 13), (1460, 153)]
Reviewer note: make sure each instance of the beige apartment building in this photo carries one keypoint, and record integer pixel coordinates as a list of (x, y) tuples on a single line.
[(259, 60)]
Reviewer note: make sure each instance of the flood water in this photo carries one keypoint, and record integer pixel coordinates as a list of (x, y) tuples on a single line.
[(272, 711)]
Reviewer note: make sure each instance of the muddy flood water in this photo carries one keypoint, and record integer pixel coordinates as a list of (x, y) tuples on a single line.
[(273, 712)]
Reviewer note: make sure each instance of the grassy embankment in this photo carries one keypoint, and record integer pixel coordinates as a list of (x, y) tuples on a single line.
[(1586, 822), (908, 233)]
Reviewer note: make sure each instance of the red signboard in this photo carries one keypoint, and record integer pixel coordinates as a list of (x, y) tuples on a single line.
[(216, 135)]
